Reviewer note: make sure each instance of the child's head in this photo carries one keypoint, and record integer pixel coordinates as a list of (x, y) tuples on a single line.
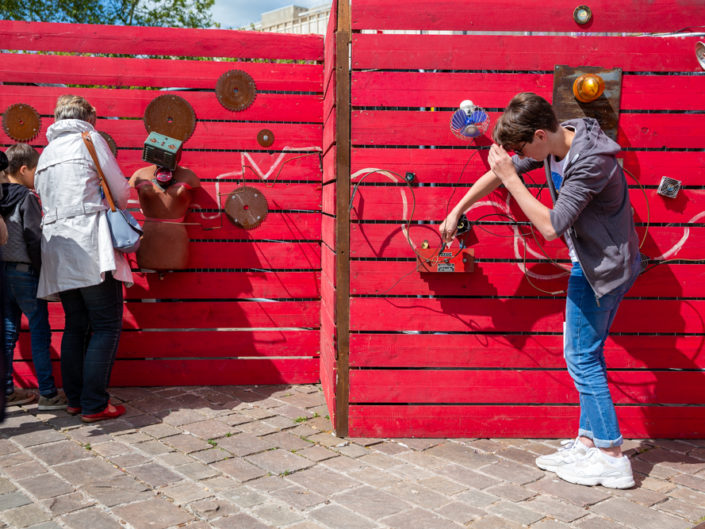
[(74, 107), (21, 164), (525, 114)]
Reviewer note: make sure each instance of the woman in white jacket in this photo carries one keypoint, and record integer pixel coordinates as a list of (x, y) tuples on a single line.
[(78, 260)]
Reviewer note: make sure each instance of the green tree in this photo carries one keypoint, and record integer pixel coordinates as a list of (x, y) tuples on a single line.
[(167, 13)]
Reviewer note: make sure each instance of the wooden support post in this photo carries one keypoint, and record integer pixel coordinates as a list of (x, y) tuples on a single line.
[(342, 228)]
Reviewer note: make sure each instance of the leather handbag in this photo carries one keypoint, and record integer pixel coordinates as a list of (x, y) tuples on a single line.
[(125, 231)]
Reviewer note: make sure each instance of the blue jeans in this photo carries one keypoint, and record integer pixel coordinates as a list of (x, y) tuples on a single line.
[(587, 326), (20, 296), (90, 342)]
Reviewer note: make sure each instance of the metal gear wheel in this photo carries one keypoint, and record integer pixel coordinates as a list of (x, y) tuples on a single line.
[(170, 115), (21, 122), (236, 90), (247, 207)]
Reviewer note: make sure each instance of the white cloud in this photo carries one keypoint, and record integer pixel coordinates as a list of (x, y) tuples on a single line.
[(241, 13)]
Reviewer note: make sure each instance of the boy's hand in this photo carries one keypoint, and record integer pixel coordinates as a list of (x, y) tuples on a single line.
[(500, 163), (448, 227)]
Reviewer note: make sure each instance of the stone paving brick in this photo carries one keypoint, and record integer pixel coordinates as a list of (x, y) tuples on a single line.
[(477, 499), (212, 508), (154, 475), (186, 443), (183, 493), (512, 472), (239, 469), (370, 502), (323, 481), (269, 483), (129, 460), (688, 495), (160, 430), (25, 470), (174, 459), (683, 509), (495, 522), (460, 512), (154, 448), (422, 459), (156, 513), (12, 500), (461, 455), (550, 524), (209, 429), (288, 441), (46, 525), (597, 522), (419, 519), (180, 417), (117, 490), (442, 485), (337, 517), (244, 497), (25, 516), (277, 515), (6, 447), (245, 444), (561, 510), (515, 513), (416, 494), (38, 437), (112, 448), (510, 492), (239, 521), (692, 482), (6, 486), (43, 487), (582, 496), (468, 477), (14, 459), (640, 495), (344, 464), (351, 450), (67, 503), (520, 456), (316, 453), (637, 516), (90, 519), (197, 471), (211, 455), (375, 477), (298, 497)]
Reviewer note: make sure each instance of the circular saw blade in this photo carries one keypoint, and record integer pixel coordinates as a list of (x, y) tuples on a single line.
[(21, 122), (236, 90), (247, 207), (265, 137), (110, 141), (170, 115)]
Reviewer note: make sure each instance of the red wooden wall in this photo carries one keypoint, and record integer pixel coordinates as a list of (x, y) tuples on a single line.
[(247, 309), (480, 354)]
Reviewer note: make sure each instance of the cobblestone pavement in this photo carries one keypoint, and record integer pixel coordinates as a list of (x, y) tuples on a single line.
[(257, 457)]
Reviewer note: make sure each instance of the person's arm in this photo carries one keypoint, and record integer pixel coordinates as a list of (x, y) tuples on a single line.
[(537, 213), (31, 214), (3, 232), (484, 185), (118, 184)]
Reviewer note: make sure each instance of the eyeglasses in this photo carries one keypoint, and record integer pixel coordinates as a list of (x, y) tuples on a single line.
[(520, 150)]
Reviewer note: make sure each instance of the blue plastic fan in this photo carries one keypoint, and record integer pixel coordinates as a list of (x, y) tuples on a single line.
[(469, 121)]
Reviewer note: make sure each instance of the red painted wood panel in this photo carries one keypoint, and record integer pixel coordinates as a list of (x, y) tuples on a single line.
[(494, 90), (501, 351), (257, 255), (650, 131), (279, 195), (196, 372), (519, 386), (396, 278), (516, 315), (510, 52), (387, 203), (218, 285), (511, 15), (388, 241), (89, 38), (446, 165), (133, 103), (684, 422), (160, 73), (186, 343)]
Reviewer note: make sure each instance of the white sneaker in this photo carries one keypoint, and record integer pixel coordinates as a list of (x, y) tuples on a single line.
[(569, 451), (595, 468)]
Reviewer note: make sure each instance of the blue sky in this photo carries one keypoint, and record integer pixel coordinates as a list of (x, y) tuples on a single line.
[(239, 13)]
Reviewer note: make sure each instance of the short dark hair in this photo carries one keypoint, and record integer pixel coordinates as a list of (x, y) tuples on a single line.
[(525, 114), (21, 154)]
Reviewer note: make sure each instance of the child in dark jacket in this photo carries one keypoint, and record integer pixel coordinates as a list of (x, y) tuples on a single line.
[(21, 263)]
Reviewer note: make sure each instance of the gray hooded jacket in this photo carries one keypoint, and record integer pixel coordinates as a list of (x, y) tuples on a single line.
[(593, 206)]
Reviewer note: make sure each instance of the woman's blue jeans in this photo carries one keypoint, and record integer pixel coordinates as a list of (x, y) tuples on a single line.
[(587, 326), (20, 296), (90, 342)]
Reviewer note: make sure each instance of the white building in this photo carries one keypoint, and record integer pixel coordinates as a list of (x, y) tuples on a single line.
[(296, 19)]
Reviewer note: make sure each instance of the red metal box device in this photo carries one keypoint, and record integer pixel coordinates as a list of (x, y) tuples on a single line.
[(448, 260)]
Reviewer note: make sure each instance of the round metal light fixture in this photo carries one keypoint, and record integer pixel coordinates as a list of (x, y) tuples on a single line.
[(588, 87), (582, 15), (700, 53)]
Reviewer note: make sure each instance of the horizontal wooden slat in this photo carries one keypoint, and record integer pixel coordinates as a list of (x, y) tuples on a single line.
[(218, 285), (643, 131), (503, 15), (159, 73), (259, 255), (508, 279), (207, 135), (388, 241), (683, 422), (89, 38), (488, 386), (516, 315), (387, 203), (280, 196), (519, 351), (133, 103), (509, 52), (492, 90), (197, 372), (446, 165)]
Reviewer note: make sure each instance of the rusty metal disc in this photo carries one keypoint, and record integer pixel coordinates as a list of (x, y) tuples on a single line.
[(110, 141), (265, 137), (235, 90), (21, 122), (247, 207), (170, 115)]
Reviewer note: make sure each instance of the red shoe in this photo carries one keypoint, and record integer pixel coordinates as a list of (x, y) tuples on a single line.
[(110, 412), (73, 411)]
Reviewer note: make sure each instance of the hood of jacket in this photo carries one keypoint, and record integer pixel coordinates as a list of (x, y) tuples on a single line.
[(67, 126), (12, 194), (589, 140)]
